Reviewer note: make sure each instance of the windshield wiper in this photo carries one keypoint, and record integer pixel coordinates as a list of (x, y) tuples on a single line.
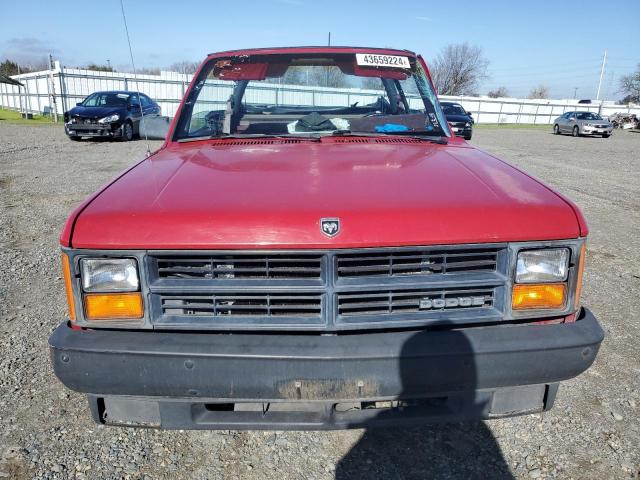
[(314, 138), (440, 140)]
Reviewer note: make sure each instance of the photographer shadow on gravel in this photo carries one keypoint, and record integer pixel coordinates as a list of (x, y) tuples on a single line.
[(441, 450)]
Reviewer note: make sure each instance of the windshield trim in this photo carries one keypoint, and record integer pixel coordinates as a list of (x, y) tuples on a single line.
[(436, 118)]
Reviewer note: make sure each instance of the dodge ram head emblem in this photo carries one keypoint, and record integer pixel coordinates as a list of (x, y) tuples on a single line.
[(330, 226)]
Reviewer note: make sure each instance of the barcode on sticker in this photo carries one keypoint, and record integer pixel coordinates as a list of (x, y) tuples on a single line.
[(373, 60)]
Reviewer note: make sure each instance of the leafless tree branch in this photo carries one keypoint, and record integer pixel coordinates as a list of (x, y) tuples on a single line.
[(458, 69)]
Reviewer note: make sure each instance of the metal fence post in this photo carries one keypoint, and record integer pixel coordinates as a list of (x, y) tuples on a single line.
[(20, 98), (63, 90), (38, 96), (27, 97)]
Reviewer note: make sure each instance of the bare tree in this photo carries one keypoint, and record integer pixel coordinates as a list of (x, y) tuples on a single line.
[(294, 76), (630, 86), (371, 83), (331, 76), (498, 92), (541, 91), (185, 67), (458, 69)]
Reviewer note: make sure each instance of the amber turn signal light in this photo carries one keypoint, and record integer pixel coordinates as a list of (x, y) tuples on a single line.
[(113, 306), (539, 296), (66, 272)]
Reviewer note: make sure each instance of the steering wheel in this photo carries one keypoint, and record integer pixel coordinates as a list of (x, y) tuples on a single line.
[(383, 105)]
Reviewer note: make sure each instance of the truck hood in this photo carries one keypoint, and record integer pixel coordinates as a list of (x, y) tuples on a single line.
[(272, 194)]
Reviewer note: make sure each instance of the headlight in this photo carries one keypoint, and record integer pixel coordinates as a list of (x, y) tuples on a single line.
[(109, 275), (110, 118), (467, 124), (542, 266)]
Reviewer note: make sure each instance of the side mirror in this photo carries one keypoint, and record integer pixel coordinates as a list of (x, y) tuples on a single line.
[(134, 106), (79, 104)]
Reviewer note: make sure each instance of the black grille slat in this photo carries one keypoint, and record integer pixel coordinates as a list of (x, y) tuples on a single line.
[(240, 266), (416, 262), (403, 301), (241, 304)]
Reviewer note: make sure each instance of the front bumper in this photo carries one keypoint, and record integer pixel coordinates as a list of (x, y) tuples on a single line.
[(284, 381), (597, 131), (111, 130), (462, 131)]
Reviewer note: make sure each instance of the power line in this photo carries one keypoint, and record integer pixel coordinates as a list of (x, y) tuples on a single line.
[(135, 75), (546, 65)]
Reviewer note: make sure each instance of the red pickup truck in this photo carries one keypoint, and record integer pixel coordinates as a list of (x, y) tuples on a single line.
[(313, 248)]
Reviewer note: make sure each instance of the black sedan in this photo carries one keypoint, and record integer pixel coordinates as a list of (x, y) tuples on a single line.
[(114, 114), (460, 120)]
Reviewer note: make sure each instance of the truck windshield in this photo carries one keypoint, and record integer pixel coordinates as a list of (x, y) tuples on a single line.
[(311, 94)]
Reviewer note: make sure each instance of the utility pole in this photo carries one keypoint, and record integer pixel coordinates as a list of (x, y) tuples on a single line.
[(604, 61), (329, 44), (575, 92), (109, 63), (52, 90)]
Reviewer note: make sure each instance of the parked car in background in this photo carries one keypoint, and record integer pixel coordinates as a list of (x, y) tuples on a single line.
[(460, 120), (582, 123), (114, 114)]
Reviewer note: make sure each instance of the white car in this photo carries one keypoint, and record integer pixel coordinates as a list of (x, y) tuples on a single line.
[(582, 123)]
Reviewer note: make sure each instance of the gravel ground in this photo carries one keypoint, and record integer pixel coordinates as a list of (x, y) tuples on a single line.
[(46, 431)]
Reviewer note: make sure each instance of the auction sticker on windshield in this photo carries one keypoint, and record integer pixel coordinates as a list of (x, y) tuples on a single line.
[(372, 60)]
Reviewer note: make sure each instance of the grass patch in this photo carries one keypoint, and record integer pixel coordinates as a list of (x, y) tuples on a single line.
[(11, 116), (514, 125)]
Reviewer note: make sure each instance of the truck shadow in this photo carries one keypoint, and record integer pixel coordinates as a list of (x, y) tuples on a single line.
[(442, 450)]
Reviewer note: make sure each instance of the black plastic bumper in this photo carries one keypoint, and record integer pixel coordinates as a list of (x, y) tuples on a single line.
[(107, 130), (214, 380)]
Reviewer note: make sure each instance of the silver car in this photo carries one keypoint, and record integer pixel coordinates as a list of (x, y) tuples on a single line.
[(582, 123)]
